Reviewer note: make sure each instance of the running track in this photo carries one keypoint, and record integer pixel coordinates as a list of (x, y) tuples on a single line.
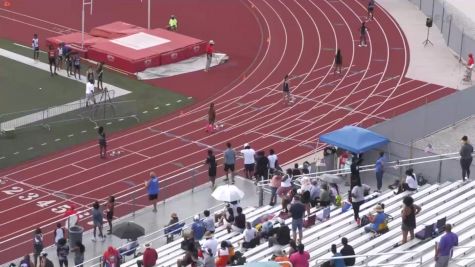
[(297, 37)]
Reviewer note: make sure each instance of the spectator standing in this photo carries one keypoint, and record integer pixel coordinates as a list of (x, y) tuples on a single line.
[(211, 118), (77, 65), (287, 97), (79, 249), (347, 250), (249, 160), (357, 199), (211, 243), (379, 170), (408, 215), (198, 228), (149, 258), (273, 161), (314, 192), (44, 261), (355, 169), (69, 60), (59, 53), (35, 45), (336, 262), (26, 261), (52, 60), (62, 251), (110, 205), (296, 172), (275, 183), (172, 24), (212, 166), (338, 62), (229, 162), (90, 75), (469, 68), (300, 258), (111, 257), (208, 222), (209, 54), (363, 33), (371, 5), (102, 140), (297, 212), (90, 93), (466, 157), (262, 166), (37, 244), (153, 189), (59, 233), (99, 74), (97, 220), (443, 249), (281, 236)]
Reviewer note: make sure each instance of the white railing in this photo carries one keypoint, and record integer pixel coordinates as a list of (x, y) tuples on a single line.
[(418, 262), (465, 248)]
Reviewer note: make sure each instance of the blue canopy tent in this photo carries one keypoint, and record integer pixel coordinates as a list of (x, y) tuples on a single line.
[(354, 139)]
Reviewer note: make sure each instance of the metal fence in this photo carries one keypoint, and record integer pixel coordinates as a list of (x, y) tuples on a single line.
[(457, 30)]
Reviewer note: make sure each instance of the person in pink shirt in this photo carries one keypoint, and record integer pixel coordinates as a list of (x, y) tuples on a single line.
[(300, 258), (274, 185)]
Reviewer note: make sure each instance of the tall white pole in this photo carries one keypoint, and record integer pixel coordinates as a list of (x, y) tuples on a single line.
[(82, 26), (148, 14)]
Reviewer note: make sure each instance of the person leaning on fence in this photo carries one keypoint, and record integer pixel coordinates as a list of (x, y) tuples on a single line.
[(466, 158)]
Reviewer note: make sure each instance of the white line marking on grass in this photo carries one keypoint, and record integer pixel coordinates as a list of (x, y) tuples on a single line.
[(121, 119), (190, 97), (109, 123), (167, 104), (70, 135), (145, 111), (178, 101), (30, 148), (84, 131), (44, 144), (16, 153), (57, 139)]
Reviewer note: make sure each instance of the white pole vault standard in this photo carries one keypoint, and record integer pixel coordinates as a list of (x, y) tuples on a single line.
[(148, 13), (84, 3)]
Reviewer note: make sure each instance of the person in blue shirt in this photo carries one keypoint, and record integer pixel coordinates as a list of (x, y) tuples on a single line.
[(336, 262), (379, 170), (377, 220), (198, 228), (153, 188)]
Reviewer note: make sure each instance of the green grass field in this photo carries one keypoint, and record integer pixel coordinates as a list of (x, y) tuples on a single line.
[(20, 91)]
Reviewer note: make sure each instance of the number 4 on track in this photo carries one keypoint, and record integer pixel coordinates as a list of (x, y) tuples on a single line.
[(44, 204)]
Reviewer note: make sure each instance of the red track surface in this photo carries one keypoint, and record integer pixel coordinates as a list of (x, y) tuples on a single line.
[(270, 39)]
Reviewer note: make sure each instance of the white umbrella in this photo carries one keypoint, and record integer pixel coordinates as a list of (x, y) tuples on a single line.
[(332, 178), (227, 193)]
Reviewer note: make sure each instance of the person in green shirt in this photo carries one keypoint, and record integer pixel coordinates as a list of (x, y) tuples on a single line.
[(172, 24)]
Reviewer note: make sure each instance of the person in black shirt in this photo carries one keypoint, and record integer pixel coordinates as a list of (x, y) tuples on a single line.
[(286, 90), (297, 212), (262, 166), (347, 250), (281, 236), (465, 157), (239, 221), (102, 142), (338, 62), (296, 172), (211, 162)]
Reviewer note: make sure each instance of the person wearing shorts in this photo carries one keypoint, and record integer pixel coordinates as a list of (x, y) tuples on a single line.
[(35, 45), (153, 188), (77, 65), (52, 60), (59, 60), (297, 212), (90, 93), (371, 9), (229, 162), (249, 160), (211, 162), (286, 90)]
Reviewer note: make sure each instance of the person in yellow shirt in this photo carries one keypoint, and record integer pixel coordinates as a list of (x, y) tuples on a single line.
[(172, 24)]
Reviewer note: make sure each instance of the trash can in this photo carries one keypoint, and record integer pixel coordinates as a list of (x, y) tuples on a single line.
[(75, 235)]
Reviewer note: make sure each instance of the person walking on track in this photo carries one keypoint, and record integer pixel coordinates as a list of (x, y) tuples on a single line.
[(211, 162), (153, 188), (35, 45), (338, 62), (211, 118), (286, 90), (363, 33), (52, 60), (371, 5), (209, 54), (97, 219), (102, 142), (466, 158), (229, 162)]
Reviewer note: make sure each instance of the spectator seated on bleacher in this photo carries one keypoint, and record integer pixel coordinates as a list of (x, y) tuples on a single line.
[(279, 256), (226, 217), (150, 257), (250, 237), (281, 236), (173, 228), (198, 228), (111, 257), (239, 222), (223, 255), (129, 249), (190, 257), (314, 192), (336, 262), (378, 223), (410, 184), (208, 222), (266, 229), (324, 199), (210, 243)]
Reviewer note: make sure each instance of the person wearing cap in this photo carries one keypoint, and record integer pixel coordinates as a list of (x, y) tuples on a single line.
[(281, 236), (44, 261), (150, 257), (297, 212), (209, 54), (466, 152), (279, 256), (376, 220), (172, 24), (198, 228), (249, 160), (153, 188), (443, 249), (210, 243)]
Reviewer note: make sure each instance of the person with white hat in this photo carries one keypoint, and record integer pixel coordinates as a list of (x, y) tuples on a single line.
[(210, 243), (44, 261), (249, 160), (376, 220), (149, 258), (209, 54)]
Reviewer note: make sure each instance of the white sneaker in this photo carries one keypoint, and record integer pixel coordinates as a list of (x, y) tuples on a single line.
[(93, 239), (359, 45)]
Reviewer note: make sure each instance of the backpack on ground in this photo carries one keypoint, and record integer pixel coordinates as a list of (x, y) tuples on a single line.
[(364, 221)]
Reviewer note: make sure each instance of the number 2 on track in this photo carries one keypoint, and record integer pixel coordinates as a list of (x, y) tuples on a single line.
[(13, 190)]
